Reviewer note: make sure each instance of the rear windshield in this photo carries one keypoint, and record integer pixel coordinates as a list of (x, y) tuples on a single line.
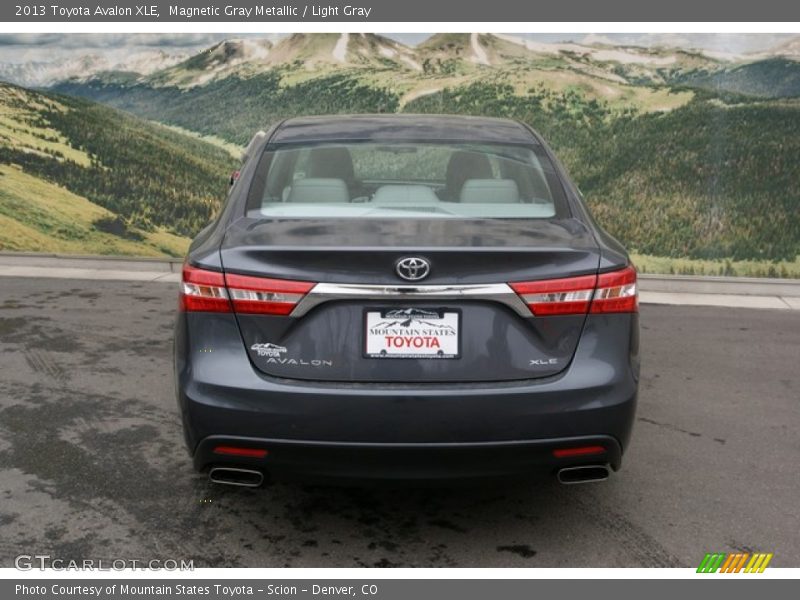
[(406, 180)]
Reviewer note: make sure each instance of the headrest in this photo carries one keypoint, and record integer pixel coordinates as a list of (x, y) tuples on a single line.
[(404, 194), (465, 165), (333, 161), (490, 191), (319, 189)]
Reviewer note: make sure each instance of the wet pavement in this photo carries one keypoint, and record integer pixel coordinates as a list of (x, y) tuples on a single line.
[(92, 462)]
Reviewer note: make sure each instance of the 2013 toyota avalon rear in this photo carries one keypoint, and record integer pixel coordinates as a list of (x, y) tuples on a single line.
[(405, 297)]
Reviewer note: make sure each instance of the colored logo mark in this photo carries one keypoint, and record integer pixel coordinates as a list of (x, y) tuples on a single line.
[(744, 562)]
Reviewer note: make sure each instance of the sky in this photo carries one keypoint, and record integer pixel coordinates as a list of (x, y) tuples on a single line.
[(46, 47)]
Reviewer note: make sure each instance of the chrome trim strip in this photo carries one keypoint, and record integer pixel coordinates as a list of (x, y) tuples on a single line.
[(494, 292)]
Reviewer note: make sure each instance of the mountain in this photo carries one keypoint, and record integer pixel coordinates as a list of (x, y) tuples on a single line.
[(441, 55), (312, 73), (315, 51), (653, 136), (217, 61), (309, 53), (44, 74), (83, 178), (450, 52), (770, 78), (787, 49)]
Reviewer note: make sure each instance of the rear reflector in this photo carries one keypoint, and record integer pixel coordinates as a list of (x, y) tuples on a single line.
[(578, 451), (260, 295), (606, 293), (211, 291), (237, 451)]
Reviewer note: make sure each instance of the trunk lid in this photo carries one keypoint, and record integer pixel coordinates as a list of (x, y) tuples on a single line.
[(496, 338)]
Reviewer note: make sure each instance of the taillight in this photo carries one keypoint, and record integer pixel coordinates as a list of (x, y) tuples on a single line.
[(203, 291), (570, 296), (260, 295), (211, 291), (613, 292), (616, 292)]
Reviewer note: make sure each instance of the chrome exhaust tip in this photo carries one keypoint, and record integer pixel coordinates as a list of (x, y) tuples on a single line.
[(236, 476), (583, 474)]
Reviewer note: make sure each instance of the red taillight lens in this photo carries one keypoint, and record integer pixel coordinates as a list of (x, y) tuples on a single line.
[(260, 295), (206, 291), (203, 291), (616, 292), (570, 296), (613, 292)]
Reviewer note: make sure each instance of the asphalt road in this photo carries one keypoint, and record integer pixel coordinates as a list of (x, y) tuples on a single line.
[(92, 462)]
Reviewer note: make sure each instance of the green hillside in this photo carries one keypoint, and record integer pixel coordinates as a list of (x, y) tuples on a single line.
[(38, 216), (679, 155), (772, 78), (706, 180), (235, 108), (81, 177)]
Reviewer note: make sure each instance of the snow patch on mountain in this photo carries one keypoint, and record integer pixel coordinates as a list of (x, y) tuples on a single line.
[(620, 54), (545, 47), (411, 63), (789, 49), (479, 53), (625, 57), (340, 49)]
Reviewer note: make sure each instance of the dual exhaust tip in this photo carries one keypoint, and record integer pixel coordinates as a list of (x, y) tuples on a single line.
[(583, 474), (252, 478), (236, 476)]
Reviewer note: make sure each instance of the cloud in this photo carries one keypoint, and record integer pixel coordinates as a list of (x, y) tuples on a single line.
[(720, 42), (47, 47), (94, 41), (109, 40), (23, 39)]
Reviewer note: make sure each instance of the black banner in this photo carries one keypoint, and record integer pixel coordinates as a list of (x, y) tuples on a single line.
[(149, 11), (390, 589)]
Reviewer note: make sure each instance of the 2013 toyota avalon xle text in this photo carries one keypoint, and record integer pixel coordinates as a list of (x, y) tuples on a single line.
[(405, 297)]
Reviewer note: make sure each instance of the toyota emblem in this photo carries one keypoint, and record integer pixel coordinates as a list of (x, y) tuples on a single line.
[(413, 268)]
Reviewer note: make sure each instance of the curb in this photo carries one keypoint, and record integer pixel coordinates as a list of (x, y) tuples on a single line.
[(780, 294), (124, 263), (742, 286)]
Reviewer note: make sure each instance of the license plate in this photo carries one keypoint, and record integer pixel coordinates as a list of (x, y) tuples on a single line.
[(412, 333)]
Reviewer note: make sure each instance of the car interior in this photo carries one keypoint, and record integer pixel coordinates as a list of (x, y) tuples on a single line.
[(328, 175)]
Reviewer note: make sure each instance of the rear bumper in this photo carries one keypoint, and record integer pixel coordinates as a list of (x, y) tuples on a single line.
[(404, 431), (320, 461)]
